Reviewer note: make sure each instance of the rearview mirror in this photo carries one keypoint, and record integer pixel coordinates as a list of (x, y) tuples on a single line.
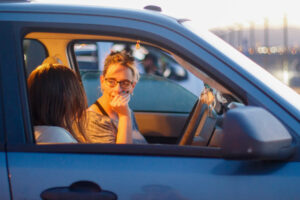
[(253, 133)]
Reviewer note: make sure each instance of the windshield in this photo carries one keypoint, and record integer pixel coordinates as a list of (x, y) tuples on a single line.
[(246, 64)]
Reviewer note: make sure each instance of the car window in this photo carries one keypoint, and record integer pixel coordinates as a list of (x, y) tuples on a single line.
[(164, 85), (165, 98), (34, 54)]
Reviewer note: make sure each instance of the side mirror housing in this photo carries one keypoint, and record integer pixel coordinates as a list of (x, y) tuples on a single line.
[(254, 133)]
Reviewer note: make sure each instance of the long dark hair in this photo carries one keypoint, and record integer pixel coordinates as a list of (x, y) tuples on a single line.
[(57, 98)]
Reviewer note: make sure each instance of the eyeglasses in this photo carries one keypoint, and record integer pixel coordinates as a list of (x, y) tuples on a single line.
[(125, 84)]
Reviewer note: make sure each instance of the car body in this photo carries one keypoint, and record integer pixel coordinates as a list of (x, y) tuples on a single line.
[(246, 150)]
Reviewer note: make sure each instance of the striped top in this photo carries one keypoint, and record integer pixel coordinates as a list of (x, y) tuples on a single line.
[(102, 129)]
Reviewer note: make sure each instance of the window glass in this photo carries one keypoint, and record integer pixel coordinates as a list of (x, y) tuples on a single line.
[(164, 85), (34, 54)]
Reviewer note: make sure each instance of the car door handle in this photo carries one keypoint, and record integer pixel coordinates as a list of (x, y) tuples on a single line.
[(79, 190)]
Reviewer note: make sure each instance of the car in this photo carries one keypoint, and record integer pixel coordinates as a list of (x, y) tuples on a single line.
[(243, 146)]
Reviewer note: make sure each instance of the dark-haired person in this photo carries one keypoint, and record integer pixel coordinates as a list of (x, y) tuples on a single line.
[(150, 63), (109, 119), (58, 104)]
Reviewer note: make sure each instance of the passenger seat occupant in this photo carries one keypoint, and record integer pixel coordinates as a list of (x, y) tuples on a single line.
[(52, 134), (58, 103), (109, 119)]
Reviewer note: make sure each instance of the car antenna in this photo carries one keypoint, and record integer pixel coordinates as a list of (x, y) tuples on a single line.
[(180, 21), (153, 8)]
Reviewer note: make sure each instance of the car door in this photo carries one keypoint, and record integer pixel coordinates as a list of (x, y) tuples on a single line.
[(4, 180), (128, 171)]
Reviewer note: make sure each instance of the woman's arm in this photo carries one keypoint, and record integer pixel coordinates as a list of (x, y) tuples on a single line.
[(124, 135), (120, 105)]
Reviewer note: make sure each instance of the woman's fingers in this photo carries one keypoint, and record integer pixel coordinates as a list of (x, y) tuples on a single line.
[(120, 100), (120, 104), (125, 99)]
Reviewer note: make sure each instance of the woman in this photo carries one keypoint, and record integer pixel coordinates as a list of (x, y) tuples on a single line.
[(58, 104), (109, 119)]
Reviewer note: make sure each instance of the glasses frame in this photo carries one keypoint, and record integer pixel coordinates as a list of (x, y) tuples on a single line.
[(118, 82)]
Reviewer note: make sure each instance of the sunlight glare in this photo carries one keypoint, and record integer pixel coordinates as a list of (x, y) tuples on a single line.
[(213, 13)]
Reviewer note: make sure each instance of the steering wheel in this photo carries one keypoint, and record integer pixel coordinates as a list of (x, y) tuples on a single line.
[(194, 123)]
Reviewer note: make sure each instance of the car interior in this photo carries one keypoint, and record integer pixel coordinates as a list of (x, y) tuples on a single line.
[(168, 107)]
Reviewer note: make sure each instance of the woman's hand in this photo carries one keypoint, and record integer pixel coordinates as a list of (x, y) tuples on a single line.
[(120, 104)]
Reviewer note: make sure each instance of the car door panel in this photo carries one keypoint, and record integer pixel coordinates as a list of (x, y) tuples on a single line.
[(134, 177), (160, 124), (4, 180), (4, 177)]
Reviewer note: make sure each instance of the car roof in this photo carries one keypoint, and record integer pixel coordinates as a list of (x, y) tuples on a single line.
[(84, 9)]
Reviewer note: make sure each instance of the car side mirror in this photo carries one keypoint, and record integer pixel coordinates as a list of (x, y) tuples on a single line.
[(254, 133)]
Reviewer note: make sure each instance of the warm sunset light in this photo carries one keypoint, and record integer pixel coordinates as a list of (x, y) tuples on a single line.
[(267, 31), (215, 13)]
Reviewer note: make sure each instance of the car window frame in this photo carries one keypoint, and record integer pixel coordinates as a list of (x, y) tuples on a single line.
[(27, 143), (16, 124), (113, 149)]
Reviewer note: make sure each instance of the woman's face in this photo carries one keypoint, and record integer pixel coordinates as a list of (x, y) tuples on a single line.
[(118, 80)]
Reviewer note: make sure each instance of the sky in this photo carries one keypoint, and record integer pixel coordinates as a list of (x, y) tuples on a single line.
[(216, 13)]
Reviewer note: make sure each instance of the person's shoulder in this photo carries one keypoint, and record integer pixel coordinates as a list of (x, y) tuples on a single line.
[(93, 107), (94, 114), (93, 111), (95, 118), (53, 134)]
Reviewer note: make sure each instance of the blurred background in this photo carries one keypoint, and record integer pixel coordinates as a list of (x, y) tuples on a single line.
[(267, 31)]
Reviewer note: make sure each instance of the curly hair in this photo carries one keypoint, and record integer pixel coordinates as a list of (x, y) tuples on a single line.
[(123, 58)]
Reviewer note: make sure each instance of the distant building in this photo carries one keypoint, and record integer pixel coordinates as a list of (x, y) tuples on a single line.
[(275, 49)]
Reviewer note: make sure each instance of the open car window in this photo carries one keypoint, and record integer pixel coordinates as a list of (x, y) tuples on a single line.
[(167, 100)]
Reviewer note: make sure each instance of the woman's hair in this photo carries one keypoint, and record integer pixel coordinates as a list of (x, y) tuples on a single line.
[(123, 58), (57, 98)]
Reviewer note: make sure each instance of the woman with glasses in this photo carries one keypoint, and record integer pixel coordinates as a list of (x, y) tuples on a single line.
[(109, 119)]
